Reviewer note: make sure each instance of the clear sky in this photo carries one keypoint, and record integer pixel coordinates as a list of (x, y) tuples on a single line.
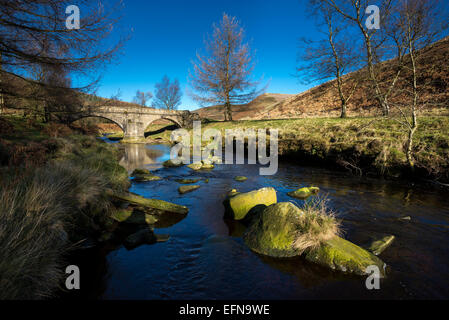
[(167, 34)]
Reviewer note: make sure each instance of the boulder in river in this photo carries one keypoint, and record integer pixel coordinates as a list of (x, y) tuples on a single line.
[(342, 255), (379, 245), (187, 181), (170, 164), (238, 205), (144, 175), (304, 193), (195, 166), (240, 179), (273, 232), (152, 205), (187, 189)]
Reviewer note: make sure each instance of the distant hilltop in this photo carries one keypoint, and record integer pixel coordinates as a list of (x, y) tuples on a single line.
[(323, 100)]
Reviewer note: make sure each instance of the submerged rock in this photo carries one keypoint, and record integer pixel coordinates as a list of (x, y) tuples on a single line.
[(138, 172), (238, 205), (240, 178), (304, 193), (378, 246), (144, 236), (140, 217), (342, 255), (133, 216), (144, 175), (171, 164), (187, 181), (273, 232), (201, 165), (187, 189), (150, 204)]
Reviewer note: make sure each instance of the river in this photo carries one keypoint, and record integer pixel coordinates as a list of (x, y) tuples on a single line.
[(206, 258)]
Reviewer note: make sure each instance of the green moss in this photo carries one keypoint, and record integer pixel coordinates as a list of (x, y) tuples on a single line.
[(121, 215), (151, 203), (187, 189), (137, 172), (342, 255), (379, 246), (187, 181), (171, 164), (274, 231), (195, 166), (238, 205), (240, 178), (304, 193)]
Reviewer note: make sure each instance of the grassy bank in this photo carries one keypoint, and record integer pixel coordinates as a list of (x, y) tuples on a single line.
[(366, 146), (52, 197)]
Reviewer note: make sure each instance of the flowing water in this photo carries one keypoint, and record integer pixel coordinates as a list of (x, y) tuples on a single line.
[(206, 257)]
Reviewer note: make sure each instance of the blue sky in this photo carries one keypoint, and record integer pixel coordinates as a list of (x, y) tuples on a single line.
[(167, 34)]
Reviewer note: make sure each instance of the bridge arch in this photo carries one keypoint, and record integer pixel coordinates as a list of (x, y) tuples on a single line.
[(118, 123)]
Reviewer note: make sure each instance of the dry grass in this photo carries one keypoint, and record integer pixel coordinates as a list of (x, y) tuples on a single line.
[(317, 224), (39, 209)]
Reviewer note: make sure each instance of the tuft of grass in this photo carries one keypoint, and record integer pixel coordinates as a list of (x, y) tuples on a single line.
[(40, 210), (317, 224)]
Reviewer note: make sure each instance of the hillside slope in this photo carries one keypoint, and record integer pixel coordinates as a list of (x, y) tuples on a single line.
[(323, 101), (246, 111)]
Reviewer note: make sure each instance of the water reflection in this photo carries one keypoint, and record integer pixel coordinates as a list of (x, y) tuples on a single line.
[(207, 259), (138, 156)]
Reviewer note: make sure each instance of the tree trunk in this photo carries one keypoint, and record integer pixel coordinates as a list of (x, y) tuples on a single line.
[(228, 111)]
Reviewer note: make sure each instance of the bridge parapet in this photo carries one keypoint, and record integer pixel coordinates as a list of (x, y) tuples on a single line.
[(134, 120)]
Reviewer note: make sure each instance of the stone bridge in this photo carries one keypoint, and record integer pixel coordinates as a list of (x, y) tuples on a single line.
[(134, 120)]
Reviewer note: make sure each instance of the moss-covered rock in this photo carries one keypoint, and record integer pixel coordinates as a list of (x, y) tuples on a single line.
[(171, 164), (378, 246), (133, 216), (138, 172), (187, 189), (342, 255), (150, 204), (207, 165), (140, 217), (238, 205), (273, 232), (187, 181), (304, 193), (122, 215), (146, 178), (240, 178), (195, 166)]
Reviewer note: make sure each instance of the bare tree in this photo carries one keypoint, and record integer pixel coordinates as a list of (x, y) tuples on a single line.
[(168, 94), (223, 75), (141, 98), (331, 57), (34, 33), (417, 24), (355, 12)]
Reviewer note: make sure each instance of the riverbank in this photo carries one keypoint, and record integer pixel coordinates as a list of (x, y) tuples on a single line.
[(364, 146), (54, 198)]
